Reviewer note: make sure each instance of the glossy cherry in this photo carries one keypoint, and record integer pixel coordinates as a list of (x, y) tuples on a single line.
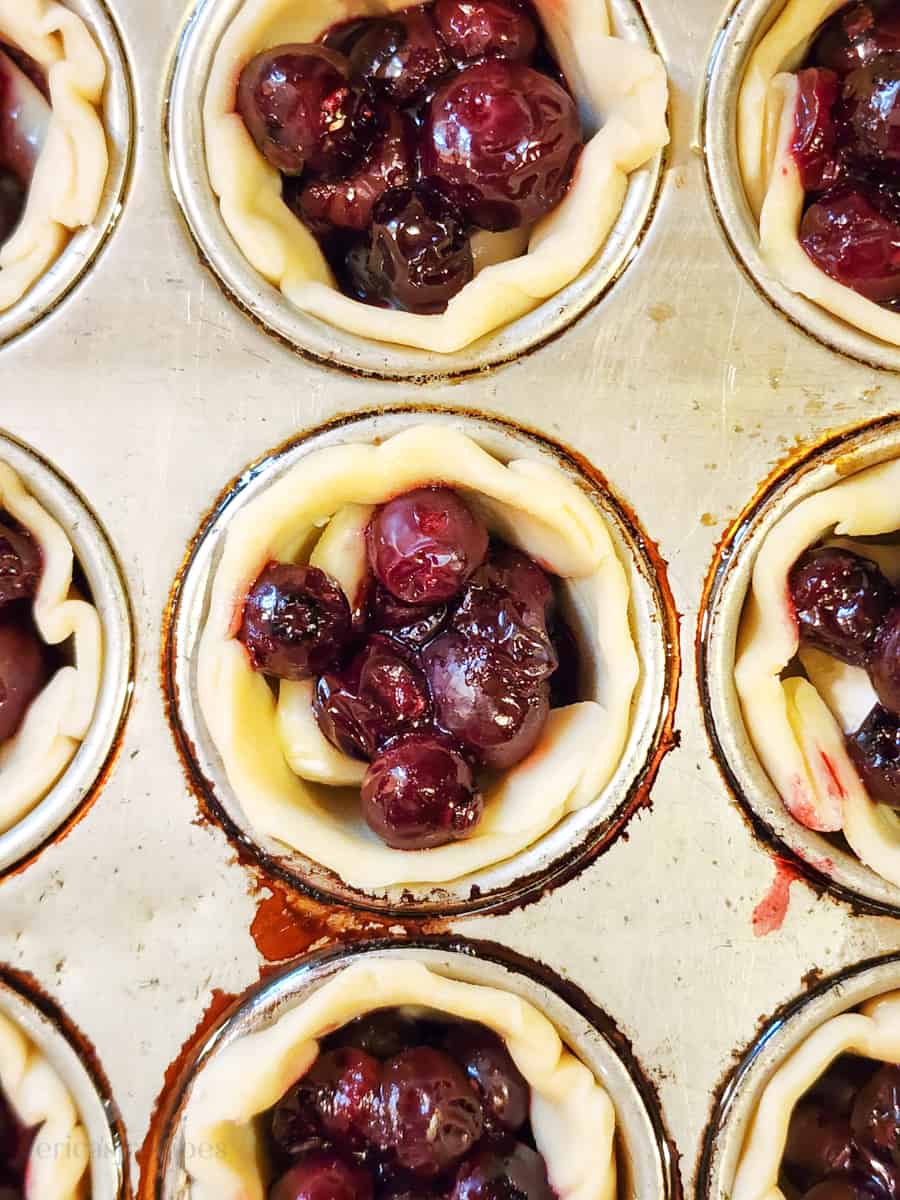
[(853, 234), (12, 203), (418, 255), (20, 562), (338, 1100), (836, 1090), (15, 1146), (502, 140), (382, 1033), (23, 673), (323, 1176), (432, 1115), (514, 1173), (814, 144), (875, 1119), (871, 104), (414, 624), (381, 694), (497, 716), (840, 599), (301, 110), (841, 1187), (424, 545), (875, 751), (858, 34), (400, 57), (419, 793), (474, 29), (296, 621), (819, 1141), (501, 1087), (884, 663)]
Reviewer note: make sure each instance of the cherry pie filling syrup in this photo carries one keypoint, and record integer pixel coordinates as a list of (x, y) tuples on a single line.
[(398, 1107), (444, 666), (24, 117), (843, 1141), (26, 662), (399, 137), (15, 1147)]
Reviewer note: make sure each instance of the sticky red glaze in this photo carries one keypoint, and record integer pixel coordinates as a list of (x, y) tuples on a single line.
[(769, 914)]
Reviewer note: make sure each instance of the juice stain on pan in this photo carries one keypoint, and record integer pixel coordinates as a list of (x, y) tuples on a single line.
[(769, 914)]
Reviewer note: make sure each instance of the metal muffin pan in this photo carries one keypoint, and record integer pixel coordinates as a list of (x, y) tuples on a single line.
[(684, 387)]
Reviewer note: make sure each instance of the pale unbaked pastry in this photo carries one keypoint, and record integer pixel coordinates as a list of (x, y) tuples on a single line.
[(873, 1032), (766, 107), (572, 1117), (59, 718), (71, 171), (60, 1154), (797, 725), (290, 781), (622, 91)]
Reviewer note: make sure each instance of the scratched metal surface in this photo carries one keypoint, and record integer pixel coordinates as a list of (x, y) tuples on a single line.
[(683, 386)]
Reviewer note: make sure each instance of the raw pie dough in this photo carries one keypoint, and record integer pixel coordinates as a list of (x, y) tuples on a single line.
[(291, 782), (59, 718), (61, 1152), (622, 92), (873, 1032), (571, 1115), (71, 171), (797, 725), (766, 108)]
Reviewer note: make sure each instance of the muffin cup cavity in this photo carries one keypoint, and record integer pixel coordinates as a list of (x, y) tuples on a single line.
[(827, 857), (97, 740), (552, 853), (62, 259), (192, 80)]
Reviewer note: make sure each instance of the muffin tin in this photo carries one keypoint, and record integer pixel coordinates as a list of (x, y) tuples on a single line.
[(690, 399)]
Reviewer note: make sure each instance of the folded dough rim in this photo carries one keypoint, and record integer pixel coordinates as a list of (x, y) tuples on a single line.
[(572, 1117), (533, 506), (873, 1032), (766, 106), (59, 718), (71, 170), (792, 728), (614, 80), (61, 1151)]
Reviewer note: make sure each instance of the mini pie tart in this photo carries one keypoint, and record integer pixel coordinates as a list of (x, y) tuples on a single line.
[(873, 1032), (70, 172), (59, 718), (797, 725), (291, 783), (572, 1117), (622, 92), (58, 1161)]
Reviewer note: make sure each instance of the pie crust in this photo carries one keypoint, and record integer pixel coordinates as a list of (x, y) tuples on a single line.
[(71, 171), (873, 1032), (795, 724), (61, 1152), (295, 786), (572, 1117), (766, 107), (622, 92), (59, 718)]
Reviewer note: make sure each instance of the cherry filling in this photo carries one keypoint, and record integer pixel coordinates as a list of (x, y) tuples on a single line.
[(24, 117), (398, 137), (457, 655), (843, 1141), (15, 1147), (402, 1107), (24, 660)]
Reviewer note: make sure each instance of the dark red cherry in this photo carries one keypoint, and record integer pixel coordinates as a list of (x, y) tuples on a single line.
[(20, 562), (338, 1100), (432, 1114), (502, 141), (871, 107), (419, 254), (486, 29), (884, 664), (382, 1033), (813, 146), (842, 1187), (836, 1089), (840, 600), (401, 56), (507, 603), (876, 1113), (23, 673), (15, 1147), (875, 751), (12, 203), (819, 1141), (503, 1174), (501, 1087), (420, 793), (857, 34), (496, 715), (853, 235), (381, 694), (323, 1176), (425, 544), (414, 624), (301, 111), (347, 203), (296, 621)]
